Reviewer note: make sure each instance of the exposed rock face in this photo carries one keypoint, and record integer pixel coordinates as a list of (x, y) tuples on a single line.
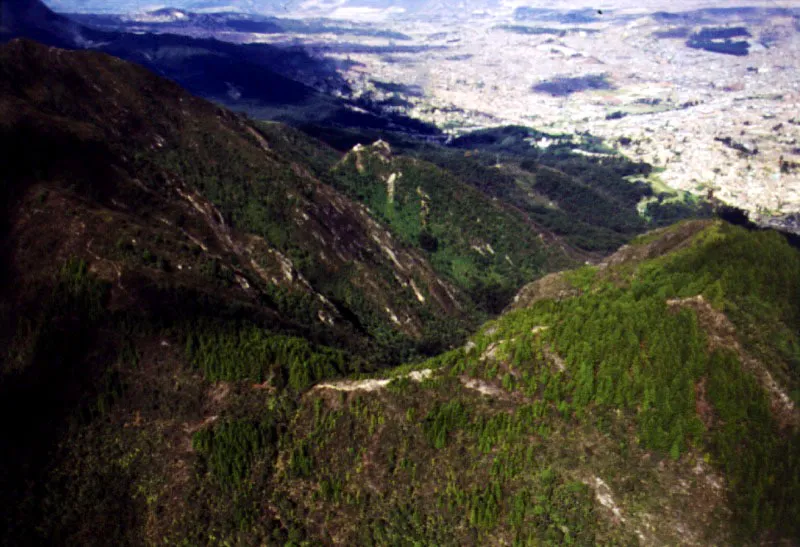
[(379, 149)]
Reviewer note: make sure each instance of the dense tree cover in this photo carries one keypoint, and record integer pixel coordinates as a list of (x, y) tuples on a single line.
[(59, 334), (78, 292), (625, 348), (143, 147), (444, 471), (230, 449), (479, 171), (225, 352), (602, 385), (441, 420), (260, 192), (586, 176), (590, 188), (295, 144), (254, 201), (579, 198)]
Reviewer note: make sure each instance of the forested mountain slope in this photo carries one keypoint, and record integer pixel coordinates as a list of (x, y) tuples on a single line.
[(656, 405), (146, 180), (574, 189), (488, 251), (136, 215), (651, 399), (183, 291)]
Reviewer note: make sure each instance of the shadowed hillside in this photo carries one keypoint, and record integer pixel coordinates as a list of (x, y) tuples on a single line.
[(259, 79)]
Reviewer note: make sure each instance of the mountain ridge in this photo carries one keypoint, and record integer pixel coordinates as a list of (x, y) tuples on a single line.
[(126, 133), (202, 317)]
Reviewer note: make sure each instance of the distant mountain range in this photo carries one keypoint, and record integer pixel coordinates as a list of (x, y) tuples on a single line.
[(571, 12), (132, 6)]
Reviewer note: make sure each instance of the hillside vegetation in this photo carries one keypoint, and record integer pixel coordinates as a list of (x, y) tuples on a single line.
[(482, 247), (189, 198), (217, 331), (576, 191), (654, 406)]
